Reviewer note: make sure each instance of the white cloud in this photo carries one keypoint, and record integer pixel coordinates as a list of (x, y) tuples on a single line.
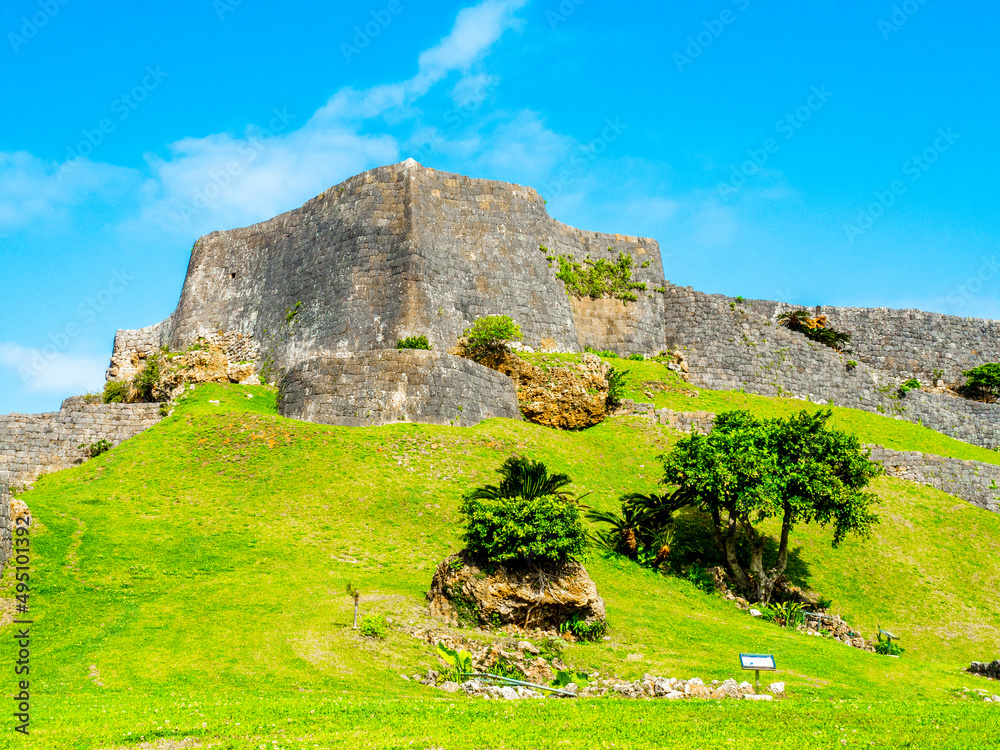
[(32, 189), (49, 371), (475, 32)]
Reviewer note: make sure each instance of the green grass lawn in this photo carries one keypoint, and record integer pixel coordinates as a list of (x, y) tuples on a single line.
[(197, 572)]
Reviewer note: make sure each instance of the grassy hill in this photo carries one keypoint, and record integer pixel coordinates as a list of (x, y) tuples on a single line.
[(190, 583)]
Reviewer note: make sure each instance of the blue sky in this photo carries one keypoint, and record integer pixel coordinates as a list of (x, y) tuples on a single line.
[(813, 152)]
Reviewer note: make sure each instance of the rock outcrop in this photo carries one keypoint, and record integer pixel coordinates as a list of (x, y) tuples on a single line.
[(462, 591), (567, 398)]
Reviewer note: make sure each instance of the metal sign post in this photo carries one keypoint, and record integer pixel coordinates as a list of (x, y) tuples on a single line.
[(758, 663)]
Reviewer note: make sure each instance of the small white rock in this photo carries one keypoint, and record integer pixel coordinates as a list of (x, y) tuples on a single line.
[(756, 613)]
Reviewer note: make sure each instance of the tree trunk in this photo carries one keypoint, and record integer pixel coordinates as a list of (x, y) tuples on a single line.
[(355, 613), (766, 581), (726, 542)]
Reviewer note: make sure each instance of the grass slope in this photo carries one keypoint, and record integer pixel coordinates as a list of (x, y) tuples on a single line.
[(197, 573)]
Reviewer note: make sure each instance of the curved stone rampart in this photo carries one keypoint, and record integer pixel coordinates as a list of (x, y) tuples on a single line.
[(389, 386), (403, 251)]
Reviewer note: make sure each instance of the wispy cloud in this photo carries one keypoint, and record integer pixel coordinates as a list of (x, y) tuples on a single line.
[(53, 372)]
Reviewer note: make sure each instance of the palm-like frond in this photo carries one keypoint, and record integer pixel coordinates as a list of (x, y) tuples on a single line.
[(524, 478)]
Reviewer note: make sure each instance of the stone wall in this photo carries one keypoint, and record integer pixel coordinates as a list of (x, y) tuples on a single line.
[(402, 251), (388, 386), (973, 481), (907, 343), (36, 444), (731, 345)]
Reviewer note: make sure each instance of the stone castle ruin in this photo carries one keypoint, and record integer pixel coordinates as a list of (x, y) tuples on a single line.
[(316, 299)]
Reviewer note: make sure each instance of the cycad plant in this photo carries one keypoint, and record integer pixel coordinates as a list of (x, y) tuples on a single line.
[(529, 480), (644, 529), (814, 328)]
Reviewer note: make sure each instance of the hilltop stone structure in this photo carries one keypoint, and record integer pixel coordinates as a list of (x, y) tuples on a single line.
[(316, 299)]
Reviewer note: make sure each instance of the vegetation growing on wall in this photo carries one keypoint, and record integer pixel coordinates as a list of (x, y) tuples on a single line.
[(414, 342), (983, 382), (600, 278), (814, 328), (490, 336)]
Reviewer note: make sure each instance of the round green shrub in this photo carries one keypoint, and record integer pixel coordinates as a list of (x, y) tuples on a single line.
[(515, 532), (414, 342), (115, 392), (491, 335)]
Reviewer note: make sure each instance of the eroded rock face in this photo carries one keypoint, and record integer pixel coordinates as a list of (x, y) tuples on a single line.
[(208, 365), (567, 398), (461, 590)]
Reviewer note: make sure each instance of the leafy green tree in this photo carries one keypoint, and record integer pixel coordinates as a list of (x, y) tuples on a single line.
[(794, 470), (491, 336), (983, 382)]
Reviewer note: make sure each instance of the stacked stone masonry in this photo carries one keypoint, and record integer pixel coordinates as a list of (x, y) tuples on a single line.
[(731, 344), (389, 386), (403, 251), (973, 481), (36, 444)]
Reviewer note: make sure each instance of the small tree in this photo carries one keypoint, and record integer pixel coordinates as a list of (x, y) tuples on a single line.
[(145, 380), (983, 382), (491, 336), (353, 592), (794, 469), (528, 520)]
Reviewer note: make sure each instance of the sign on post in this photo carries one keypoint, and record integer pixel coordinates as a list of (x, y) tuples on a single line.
[(758, 663)]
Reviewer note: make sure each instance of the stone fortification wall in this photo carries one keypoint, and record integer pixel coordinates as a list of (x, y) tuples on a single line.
[(973, 481), (401, 251), (388, 386), (906, 343), (730, 345), (6, 536), (36, 444)]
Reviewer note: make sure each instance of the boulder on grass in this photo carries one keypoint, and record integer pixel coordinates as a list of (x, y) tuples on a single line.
[(538, 598)]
